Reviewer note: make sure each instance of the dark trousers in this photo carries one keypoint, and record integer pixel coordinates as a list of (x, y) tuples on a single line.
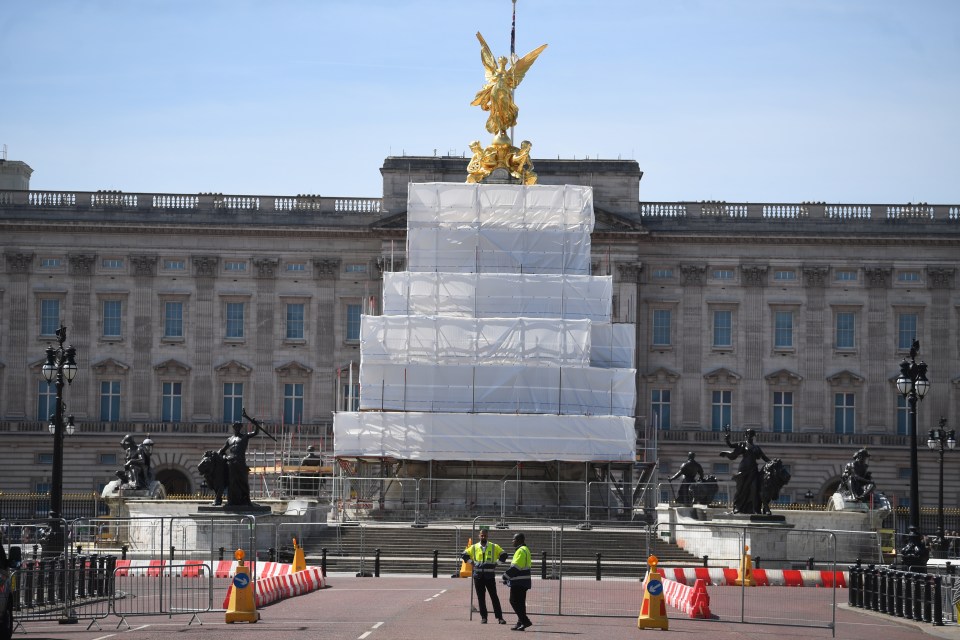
[(518, 600), (487, 583)]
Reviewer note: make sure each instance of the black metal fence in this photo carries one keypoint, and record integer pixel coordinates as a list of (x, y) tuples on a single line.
[(903, 594)]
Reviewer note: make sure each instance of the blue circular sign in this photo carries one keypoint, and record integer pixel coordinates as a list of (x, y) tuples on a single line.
[(241, 580), (655, 587)]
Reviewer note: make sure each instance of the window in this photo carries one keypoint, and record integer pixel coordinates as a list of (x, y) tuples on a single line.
[(234, 265), (295, 321), (846, 330), (721, 405), (235, 320), (843, 413), (44, 458), (49, 317), (110, 401), (107, 458), (783, 411), (353, 322), (723, 328), (661, 327), (356, 268), (232, 401), (351, 402), (903, 416), (660, 408), (846, 276), (906, 330), (783, 329), (112, 263), (111, 318), (43, 486), (721, 468), (50, 263), (784, 276), (171, 409), (908, 276), (293, 403), (903, 473), (174, 265), (46, 400), (723, 274), (296, 266), (662, 274), (173, 320)]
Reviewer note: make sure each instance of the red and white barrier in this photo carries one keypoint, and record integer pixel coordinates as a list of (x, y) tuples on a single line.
[(725, 577), (286, 585), (694, 601)]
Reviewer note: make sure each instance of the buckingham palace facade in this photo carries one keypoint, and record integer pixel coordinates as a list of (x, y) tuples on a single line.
[(788, 318)]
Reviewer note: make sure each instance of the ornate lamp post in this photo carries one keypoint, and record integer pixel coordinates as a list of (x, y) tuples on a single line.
[(939, 439), (60, 366), (912, 384)]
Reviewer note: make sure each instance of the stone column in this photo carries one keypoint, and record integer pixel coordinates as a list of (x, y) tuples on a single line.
[(204, 400), (879, 364), (142, 384), (264, 397), (629, 292), (812, 358), (17, 301), (755, 318), (80, 334), (692, 279), (325, 270), (940, 282)]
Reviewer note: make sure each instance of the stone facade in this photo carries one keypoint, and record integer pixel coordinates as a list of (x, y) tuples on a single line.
[(787, 318)]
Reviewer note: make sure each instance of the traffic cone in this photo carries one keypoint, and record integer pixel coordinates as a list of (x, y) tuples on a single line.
[(299, 561), (466, 569), (745, 572), (700, 601), (241, 606), (653, 610)]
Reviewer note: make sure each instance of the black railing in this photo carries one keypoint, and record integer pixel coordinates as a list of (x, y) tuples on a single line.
[(903, 594)]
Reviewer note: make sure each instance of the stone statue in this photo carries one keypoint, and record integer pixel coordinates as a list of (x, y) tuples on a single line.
[(746, 499), (692, 472), (705, 491), (136, 473), (773, 478), (856, 483), (234, 455), (311, 459), (496, 96)]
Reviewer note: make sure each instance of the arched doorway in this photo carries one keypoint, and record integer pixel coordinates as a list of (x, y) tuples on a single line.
[(174, 481)]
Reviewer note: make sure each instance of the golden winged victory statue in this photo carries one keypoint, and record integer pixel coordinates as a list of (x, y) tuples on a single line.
[(496, 97)]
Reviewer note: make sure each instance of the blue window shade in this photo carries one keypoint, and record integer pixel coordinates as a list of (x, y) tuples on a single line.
[(906, 330), (722, 328), (49, 317), (112, 310), (661, 327), (845, 330), (110, 401), (903, 416), (783, 329), (783, 411), (844, 413), (234, 319), (232, 401), (353, 322), (46, 400), (721, 409), (292, 403), (172, 402), (660, 408), (173, 320), (295, 313)]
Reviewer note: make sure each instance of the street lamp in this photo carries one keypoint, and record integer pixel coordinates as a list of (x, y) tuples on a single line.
[(912, 384), (939, 439), (60, 366)]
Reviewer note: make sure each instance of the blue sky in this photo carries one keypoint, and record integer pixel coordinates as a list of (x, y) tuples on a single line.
[(737, 100)]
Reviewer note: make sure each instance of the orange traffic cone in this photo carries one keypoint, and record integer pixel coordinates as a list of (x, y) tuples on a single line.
[(745, 572), (653, 610), (466, 569)]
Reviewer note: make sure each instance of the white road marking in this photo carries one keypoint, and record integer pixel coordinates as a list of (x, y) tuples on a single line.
[(378, 625), (109, 635), (364, 635)]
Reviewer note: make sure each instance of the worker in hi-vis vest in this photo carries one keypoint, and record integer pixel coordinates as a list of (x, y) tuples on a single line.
[(484, 555), (518, 578)]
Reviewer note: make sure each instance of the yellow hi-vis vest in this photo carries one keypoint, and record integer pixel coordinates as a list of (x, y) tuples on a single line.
[(484, 560), (519, 573)]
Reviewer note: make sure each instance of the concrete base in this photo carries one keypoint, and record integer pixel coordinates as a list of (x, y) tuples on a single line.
[(252, 509)]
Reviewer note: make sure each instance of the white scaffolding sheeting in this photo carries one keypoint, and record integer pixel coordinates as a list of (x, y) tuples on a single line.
[(468, 341), (504, 389), (472, 295), (484, 436), (612, 346), (530, 229)]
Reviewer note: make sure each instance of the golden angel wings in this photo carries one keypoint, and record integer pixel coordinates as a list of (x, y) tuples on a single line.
[(496, 96)]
